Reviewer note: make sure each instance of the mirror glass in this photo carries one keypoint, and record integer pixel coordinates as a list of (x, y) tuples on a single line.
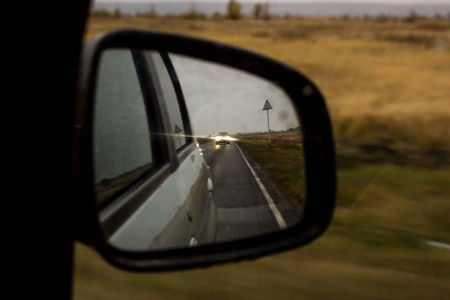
[(188, 152)]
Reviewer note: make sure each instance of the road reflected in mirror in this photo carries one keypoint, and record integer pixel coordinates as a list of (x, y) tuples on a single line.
[(188, 152), (258, 177)]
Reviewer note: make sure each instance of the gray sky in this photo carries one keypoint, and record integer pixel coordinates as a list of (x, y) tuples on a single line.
[(293, 1), (220, 98)]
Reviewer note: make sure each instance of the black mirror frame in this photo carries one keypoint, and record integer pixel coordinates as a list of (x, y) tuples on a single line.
[(318, 148)]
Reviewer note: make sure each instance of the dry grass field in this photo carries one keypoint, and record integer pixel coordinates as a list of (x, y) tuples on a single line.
[(384, 81), (283, 161), (387, 85)]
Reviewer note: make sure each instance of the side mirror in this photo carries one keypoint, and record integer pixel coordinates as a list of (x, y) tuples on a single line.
[(191, 153)]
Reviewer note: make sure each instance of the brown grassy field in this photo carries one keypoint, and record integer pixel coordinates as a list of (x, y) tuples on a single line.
[(283, 161), (386, 83)]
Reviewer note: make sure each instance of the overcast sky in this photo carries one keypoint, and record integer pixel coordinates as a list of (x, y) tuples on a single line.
[(296, 1), (220, 98)]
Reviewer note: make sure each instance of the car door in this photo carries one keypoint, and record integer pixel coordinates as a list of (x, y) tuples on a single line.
[(191, 176), (144, 146)]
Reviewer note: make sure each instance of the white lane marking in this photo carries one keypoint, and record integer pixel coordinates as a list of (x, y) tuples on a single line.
[(437, 245), (269, 199), (207, 148)]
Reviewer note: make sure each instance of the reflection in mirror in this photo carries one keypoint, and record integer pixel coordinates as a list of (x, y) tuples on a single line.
[(189, 152), (121, 134)]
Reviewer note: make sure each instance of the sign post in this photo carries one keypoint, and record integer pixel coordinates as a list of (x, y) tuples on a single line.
[(267, 107), (177, 131)]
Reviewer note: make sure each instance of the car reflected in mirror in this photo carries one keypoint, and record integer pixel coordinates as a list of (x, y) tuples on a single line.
[(158, 117)]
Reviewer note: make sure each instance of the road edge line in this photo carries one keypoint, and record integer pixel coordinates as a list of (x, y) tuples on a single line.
[(266, 194)]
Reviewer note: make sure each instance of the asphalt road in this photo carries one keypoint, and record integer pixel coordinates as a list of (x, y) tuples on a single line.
[(245, 206)]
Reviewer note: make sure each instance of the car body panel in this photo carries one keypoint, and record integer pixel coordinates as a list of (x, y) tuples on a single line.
[(163, 221), (172, 213)]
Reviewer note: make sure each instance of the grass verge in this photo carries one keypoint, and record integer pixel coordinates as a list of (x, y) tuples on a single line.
[(283, 161)]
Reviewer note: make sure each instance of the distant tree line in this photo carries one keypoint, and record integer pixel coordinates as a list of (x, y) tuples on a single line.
[(233, 12), (412, 17), (261, 11), (103, 13), (297, 129)]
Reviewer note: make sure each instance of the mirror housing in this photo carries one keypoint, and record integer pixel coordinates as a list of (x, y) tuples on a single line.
[(317, 140)]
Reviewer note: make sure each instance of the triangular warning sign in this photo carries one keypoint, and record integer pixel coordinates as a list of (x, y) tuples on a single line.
[(177, 129), (267, 105)]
